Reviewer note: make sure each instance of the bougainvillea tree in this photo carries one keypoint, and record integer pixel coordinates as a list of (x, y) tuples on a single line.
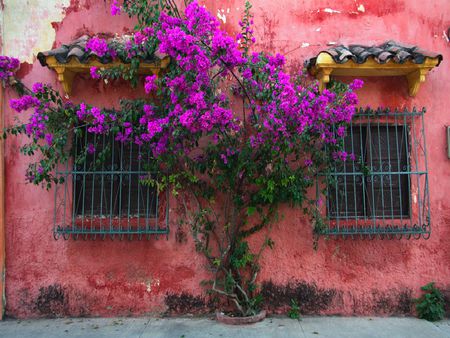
[(231, 133)]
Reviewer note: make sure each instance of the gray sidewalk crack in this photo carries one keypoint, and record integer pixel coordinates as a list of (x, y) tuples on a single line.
[(301, 327), (145, 326)]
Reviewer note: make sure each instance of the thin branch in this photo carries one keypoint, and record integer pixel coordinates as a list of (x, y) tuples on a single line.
[(232, 296)]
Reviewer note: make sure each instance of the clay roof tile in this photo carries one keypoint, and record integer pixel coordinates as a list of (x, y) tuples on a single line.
[(390, 50), (77, 49)]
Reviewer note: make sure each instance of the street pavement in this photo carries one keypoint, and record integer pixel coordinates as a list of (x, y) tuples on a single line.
[(191, 327)]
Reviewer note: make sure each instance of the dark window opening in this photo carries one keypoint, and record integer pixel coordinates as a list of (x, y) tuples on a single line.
[(377, 184), (107, 182)]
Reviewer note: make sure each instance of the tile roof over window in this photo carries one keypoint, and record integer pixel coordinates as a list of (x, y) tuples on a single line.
[(390, 51), (77, 49), (73, 58)]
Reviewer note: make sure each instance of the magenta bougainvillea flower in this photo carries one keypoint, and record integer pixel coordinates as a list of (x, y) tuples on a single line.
[(24, 103), (94, 73), (150, 84), (115, 8), (100, 47), (193, 102), (38, 88), (8, 66)]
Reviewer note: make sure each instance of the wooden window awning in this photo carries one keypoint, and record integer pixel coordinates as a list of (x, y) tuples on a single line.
[(73, 58), (67, 71), (389, 59)]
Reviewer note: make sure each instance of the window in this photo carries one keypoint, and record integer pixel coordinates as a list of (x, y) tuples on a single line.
[(103, 192), (118, 192), (384, 191)]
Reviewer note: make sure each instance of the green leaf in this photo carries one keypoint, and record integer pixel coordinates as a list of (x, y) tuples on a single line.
[(251, 211)]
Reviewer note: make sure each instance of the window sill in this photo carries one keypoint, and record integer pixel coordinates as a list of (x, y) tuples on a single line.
[(78, 232), (378, 231)]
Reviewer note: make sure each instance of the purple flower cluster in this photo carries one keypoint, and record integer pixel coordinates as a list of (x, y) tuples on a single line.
[(49, 139), (340, 155), (156, 126), (198, 46), (8, 66), (24, 103), (94, 73), (100, 47), (138, 44), (229, 152), (140, 38), (124, 136), (115, 8), (90, 148), (37, 126), (97, 119), (285, 110), (356, 84), (150, 84), (282, 110), (247, 31), (196, 42), (38, 87), (282, 118)]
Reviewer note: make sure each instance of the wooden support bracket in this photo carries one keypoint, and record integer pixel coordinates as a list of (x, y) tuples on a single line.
[(65, 77), (415, 78), (323, 76)]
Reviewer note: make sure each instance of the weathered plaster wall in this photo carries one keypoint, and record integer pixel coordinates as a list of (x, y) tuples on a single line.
[(47, 277), (29, 26)]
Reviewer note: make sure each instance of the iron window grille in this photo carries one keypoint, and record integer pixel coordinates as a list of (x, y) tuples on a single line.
[(384, 191), (103, 195)]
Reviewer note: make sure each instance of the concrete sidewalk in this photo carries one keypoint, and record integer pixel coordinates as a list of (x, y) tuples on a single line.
[(314, 327)]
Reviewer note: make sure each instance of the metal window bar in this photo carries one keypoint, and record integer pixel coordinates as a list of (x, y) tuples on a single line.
[(103, 195), (384, 193)]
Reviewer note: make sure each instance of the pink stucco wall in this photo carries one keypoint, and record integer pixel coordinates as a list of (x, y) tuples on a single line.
[(45, 277)]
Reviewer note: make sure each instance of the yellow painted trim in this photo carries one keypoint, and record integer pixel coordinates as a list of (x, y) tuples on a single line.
[(67, 71), (326, 67)]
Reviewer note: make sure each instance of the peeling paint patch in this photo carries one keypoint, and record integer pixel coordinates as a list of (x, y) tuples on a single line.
[(305, 44), (150, 283), (26, 36), (221, 15), (1, 27), (24, 69), (331, 11), (445, 36), (361, 8)]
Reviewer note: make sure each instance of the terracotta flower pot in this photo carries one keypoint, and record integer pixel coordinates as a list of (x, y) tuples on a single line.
[(223, 318)]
